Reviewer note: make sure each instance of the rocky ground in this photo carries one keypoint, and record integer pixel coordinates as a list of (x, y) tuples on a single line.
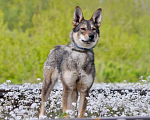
[(23, 102)]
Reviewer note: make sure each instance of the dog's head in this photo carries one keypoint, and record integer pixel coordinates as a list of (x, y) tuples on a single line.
[(86, 32)]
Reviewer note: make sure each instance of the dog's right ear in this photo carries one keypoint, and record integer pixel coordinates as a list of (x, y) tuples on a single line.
[(96, 17), (78, 16)]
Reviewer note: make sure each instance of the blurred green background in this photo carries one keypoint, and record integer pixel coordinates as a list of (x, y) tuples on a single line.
[(30, 28)]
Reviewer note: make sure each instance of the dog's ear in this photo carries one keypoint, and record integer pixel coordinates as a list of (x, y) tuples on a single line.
[(78, 16), (96, 17)]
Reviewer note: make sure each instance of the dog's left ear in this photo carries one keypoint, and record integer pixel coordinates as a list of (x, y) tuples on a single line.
[(78, 16), (96, 17)]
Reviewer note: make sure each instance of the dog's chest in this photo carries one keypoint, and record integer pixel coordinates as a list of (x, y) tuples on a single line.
[(78, 62), (80, 68), (80, 59)]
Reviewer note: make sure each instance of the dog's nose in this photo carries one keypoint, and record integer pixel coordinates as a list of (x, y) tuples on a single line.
[(91, 36)]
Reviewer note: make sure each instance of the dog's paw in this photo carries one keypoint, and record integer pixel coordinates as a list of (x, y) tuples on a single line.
[(42, 116)]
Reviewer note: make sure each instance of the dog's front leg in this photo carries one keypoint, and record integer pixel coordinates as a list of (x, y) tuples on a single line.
[(69, 97), (83, 103), (70, 93), (86, 83)]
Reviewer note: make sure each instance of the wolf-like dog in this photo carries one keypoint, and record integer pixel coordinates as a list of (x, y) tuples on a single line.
[(73, 63)]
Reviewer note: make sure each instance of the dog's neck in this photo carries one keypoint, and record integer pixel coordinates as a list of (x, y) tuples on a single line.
[(79, 49)]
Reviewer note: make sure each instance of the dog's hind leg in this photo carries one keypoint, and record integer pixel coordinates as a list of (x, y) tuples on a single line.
[(50, 78)]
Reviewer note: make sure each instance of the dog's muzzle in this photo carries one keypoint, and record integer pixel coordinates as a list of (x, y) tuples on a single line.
[(91, 37)]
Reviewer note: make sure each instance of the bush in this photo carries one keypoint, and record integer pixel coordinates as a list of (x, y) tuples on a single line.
[(29, 29)]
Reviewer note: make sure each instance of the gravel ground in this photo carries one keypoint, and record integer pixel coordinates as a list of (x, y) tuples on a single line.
[(24, 101)]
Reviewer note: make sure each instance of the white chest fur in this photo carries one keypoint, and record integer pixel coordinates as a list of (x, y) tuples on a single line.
[(79, 58)]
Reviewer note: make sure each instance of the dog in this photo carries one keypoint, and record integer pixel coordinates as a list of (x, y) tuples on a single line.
[(73, 63)]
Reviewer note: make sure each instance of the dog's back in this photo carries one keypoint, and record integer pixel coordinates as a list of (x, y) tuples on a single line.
[(71, 58), (55, 57)]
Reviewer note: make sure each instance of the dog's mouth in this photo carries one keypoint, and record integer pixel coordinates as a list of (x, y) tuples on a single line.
[(89, 41), (86, 42)]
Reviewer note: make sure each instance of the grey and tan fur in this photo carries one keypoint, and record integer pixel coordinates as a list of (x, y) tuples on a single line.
[(73, 63)]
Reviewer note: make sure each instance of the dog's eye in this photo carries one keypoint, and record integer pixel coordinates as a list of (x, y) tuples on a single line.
[(93, 29), (83, 29)]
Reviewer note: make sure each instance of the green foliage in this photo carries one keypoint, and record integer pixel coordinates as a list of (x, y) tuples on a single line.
[(29, 29), (63, 115)]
